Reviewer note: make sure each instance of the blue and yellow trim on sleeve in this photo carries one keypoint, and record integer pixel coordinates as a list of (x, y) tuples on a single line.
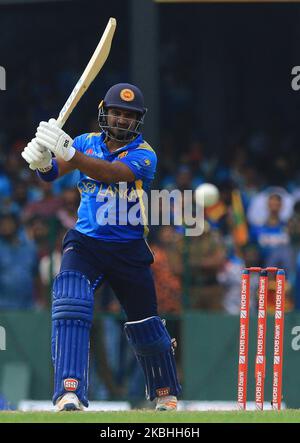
[(145, 146), (93, 134)]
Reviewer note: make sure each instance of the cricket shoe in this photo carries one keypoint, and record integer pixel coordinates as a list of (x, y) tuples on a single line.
[(167, 403), (69, 402)]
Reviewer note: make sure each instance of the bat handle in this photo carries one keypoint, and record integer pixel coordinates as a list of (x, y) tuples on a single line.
[(60, 122)]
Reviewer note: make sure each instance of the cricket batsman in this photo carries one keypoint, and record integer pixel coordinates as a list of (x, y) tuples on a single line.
[(105, 244)]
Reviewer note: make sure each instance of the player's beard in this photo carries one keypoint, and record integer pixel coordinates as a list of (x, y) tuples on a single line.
[(121, 134)]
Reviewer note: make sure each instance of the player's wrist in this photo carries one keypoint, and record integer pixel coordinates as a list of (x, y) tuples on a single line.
[(69, 154), (46, 168), (48, 175), (74, 158)]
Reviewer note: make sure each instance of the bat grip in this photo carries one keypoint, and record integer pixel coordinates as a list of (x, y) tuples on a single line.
[(60, 122)]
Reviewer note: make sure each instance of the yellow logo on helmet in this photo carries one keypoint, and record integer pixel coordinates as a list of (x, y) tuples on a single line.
[(127, 95)]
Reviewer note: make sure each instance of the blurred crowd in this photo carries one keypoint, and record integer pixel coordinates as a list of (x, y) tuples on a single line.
[(254, 223)]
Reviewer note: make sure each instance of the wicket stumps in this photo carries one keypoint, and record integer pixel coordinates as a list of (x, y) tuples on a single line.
[(260, 361)]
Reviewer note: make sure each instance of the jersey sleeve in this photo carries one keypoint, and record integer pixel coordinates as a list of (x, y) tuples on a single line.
[(142, 163), (78, 142)]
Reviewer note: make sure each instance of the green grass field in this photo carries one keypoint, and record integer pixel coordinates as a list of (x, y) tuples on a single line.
[(135, 416)]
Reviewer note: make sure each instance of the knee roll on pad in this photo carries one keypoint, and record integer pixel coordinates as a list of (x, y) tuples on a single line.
[(72, 313), (153, 348)]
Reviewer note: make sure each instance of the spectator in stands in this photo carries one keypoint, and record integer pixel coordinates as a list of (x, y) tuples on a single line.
[(258, 210), (294, 227), (37, 230), (67, 214), (167, 269), (19, 282), (273, 238), (19, 194), (47, 235), (230, 279), (5, 185), (182, 179), (206, 257), (47, 206), (294, 232), (13, 166), (219, 216)]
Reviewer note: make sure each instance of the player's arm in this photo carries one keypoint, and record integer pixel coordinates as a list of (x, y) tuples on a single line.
[(39, 157), (61, 144), (64, 167), (101, 170)]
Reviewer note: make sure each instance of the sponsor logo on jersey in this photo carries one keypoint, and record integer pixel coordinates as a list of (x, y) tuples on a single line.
[(147, 162), (89, 151), (70, 384), (127, 95), (123, 154)]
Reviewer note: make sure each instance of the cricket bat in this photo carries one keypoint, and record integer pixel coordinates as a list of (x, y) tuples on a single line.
[(92, 69)]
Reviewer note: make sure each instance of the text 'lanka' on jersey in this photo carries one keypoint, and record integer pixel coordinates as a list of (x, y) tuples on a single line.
[(109, 212)]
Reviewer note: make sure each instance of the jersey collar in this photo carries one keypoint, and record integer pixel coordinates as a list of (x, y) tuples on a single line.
[(131, 145)]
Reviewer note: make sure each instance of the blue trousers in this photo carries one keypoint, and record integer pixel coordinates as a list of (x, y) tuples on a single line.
[(86, 263), (125, 266)]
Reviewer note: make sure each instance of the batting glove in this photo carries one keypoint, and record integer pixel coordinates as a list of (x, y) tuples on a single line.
[(37, 156), (54, 138)]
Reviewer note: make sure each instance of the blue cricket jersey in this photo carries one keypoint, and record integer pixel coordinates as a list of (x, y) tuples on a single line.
[(270, 237), (117, 211)]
